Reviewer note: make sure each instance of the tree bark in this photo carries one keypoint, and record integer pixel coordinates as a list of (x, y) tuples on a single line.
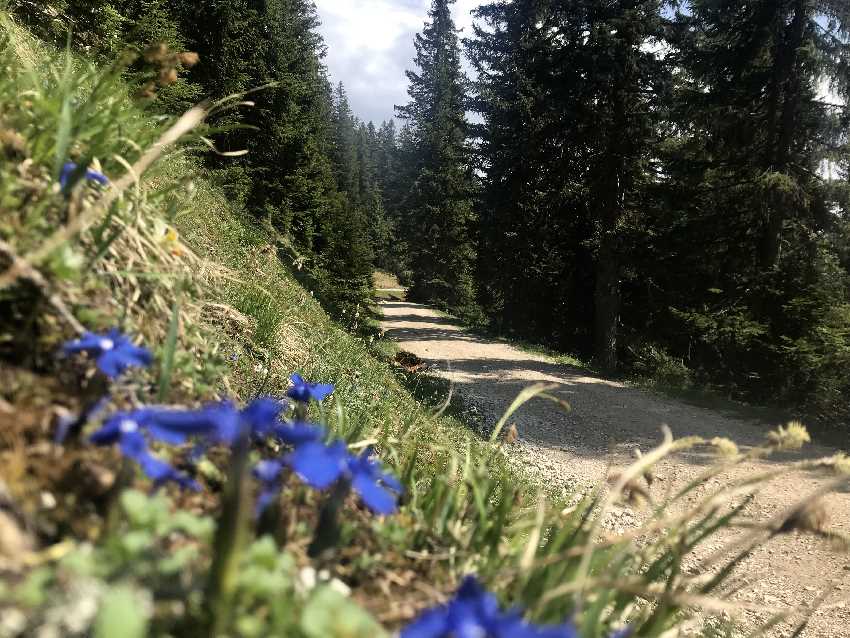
[(606, 301), (786, 87)]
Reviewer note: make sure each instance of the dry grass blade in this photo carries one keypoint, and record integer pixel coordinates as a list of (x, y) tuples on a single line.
[(776, 525), (659, 592), (538, 389), (634, 471), (187, 122)]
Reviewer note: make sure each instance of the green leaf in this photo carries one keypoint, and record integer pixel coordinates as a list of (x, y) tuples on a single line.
[(170, 348), (329, 614), (63, 132), (66, 264), (142, 510), (121, 614), (200, 527), (33, 591)]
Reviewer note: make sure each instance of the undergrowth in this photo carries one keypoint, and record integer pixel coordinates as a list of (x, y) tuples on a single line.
[(157, 251)]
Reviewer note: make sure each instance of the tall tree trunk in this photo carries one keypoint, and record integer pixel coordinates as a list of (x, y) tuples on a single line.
[(785, 88), (611, 197), (606, 296), (606, 300)]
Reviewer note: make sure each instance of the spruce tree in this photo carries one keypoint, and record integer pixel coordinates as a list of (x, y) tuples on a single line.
[(571, 97), (438, 216), (530, 225), (751, 224)]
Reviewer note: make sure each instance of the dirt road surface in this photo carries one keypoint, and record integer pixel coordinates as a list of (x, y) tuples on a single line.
[(607, 422)]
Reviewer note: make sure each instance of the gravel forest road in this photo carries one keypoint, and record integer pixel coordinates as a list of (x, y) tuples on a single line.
[(607, 422)]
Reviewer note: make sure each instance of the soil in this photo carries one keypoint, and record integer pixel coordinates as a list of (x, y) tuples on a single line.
[(607, 422)]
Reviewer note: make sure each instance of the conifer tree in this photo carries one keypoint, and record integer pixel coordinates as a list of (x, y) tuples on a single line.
[(530, 227), (751, 222), (571, 98), (438, 219)]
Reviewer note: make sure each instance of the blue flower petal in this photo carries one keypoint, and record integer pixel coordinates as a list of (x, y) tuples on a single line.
[(299, 433), (432, 623), (114, 351), (161, 472), (227, 422), (268, 471), (263, 415), (266, 497), (114, 362), (303, 391), (317, 464), (515, 627), (68, 170), (375, 486), (318, 391), (87, 343), (94, 176), (378, 499), (392, 482), (472, 592), (133, 444), (111, 364), (110, 431), (176, 426), (474, 613)]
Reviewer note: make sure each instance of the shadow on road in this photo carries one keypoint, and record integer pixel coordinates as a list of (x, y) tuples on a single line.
[(608, 419)]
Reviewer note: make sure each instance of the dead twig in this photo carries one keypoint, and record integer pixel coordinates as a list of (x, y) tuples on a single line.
[(21, 269)]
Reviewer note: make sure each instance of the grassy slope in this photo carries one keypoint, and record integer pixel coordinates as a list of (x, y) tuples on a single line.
[(245, 322), (296, 334), (286, 328)]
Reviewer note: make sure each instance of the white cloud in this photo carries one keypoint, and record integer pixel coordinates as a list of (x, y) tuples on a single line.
[(370, 45)]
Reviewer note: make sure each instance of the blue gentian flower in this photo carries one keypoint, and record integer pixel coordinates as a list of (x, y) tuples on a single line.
[(320, 465), (168, 426), (474, 613), (268, 471), (260, 419), (224, 421), (303, 391), (378, 489), (262, 416), (113, 351), (68, 169), (126, 429)]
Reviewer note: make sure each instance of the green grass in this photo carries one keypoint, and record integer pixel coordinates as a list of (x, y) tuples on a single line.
[(388, 295)]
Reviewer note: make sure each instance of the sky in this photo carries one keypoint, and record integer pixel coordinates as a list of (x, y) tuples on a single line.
[(370, 45)]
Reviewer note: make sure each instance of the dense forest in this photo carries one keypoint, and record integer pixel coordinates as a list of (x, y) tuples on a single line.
[(659, 187), (664, 205)]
